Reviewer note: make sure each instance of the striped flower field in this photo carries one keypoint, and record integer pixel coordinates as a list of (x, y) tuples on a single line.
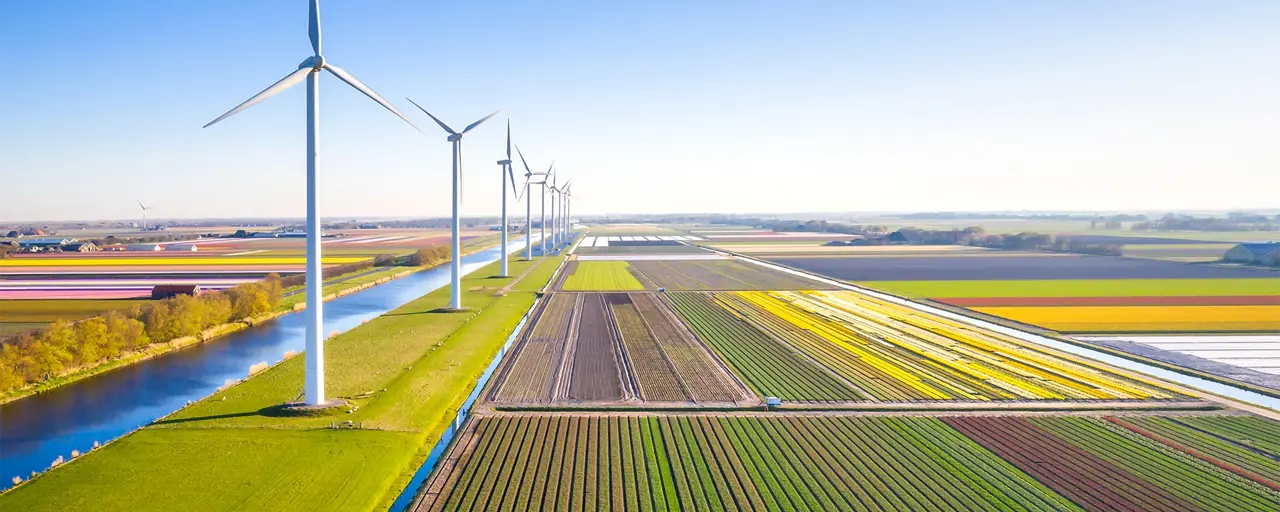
[(747, 463), (837, 346)]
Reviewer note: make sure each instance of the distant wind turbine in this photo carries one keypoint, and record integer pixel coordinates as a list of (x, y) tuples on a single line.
[(507, 171), (144, 213), (528, 204), (455, 291), (310, 70), (564, 211)]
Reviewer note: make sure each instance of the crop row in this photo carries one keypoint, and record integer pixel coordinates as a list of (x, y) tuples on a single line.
[(705, 380), (654, 374), (880, 463), (765, 364), (536, 358), (895, 353), (1103, 466)]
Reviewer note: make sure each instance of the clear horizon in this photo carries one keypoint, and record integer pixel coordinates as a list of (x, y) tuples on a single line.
[(662, 107)]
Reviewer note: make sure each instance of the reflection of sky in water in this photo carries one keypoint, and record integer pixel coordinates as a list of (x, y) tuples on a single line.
[(36, 430)]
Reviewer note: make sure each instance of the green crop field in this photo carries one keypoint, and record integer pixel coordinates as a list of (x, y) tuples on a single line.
[(418, 361), (661, 463), (601, 275), (765, 364), (1079, 288)]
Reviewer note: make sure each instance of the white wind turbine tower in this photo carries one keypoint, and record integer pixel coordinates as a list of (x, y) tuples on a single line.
[(555, 224), (506, 167), (528, 203), (310, 70), (561, 192), (455, 137), (144, 213), (542, 224), (564, 208)]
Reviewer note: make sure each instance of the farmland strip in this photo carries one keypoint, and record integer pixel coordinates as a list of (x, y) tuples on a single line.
[(519, 488), (596, 373)]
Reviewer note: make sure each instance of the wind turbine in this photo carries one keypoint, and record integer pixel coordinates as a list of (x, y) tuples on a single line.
[(455, 290), (310, 70), (506, 167), (564, 211), (528, 203), (144, 213), (568, 210), (555, 232)]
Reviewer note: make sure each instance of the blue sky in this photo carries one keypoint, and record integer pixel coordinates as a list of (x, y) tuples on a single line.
[(650, 106)]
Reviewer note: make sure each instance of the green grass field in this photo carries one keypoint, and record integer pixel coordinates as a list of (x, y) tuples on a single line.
[(1078, 288), (601, 275), (224, 469), (232, 450)]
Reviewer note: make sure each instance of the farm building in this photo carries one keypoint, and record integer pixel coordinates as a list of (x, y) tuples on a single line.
[(143, 247), (1252, 252), (167, 291), (80, 247), (39, 244), (180, 247)]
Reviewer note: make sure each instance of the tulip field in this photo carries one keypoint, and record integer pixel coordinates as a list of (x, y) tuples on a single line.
[(883, 463), (880, 351), (654, 382)]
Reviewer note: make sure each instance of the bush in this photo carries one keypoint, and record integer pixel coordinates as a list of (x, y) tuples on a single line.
[(428, 256)]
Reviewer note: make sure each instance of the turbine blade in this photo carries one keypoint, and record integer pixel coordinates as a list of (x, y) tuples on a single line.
[(526, 164), (433, 118), (314, 26), (512, 173), (483, 119), (508, 139), (360, 86), (288, 81), (140, 205)]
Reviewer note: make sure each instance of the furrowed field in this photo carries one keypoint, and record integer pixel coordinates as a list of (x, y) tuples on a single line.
[(568, 462), (611, 349)]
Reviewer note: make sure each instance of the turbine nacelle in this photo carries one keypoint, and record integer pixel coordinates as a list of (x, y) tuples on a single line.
[(504, 162), (454, 137), (315, 62)]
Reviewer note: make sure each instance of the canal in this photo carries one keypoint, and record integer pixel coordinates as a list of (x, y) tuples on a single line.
[(38, 429)]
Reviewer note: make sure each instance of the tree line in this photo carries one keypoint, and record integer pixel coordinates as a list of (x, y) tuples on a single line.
[(67, 346)]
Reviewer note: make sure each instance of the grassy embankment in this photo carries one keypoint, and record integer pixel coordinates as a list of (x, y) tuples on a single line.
[(234, 450)]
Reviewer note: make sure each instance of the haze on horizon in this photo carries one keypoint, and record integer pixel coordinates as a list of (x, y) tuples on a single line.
[(660, 107)]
